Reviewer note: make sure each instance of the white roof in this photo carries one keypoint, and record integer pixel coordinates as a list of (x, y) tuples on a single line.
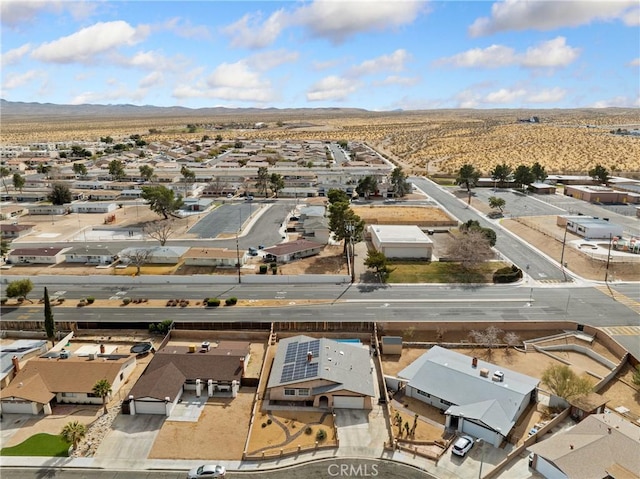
[(399, 234)]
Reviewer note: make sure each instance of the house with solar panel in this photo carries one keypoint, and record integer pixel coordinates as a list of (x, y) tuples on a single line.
[(321, 373)]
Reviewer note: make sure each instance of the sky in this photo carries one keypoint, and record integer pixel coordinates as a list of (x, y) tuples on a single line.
[(377, 55)]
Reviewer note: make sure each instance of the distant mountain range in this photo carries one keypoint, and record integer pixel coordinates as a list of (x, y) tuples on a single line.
[(21, 109)]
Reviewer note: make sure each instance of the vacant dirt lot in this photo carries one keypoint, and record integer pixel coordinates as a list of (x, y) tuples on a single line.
[(394, 215)]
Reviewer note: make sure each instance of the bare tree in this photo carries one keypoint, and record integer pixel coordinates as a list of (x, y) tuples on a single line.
[(470, 249), (160, 230), (137, 257), (512, 340), (487, 338)]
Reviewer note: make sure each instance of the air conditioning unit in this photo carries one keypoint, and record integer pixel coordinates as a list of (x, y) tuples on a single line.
[(64, 354), (498, 376)]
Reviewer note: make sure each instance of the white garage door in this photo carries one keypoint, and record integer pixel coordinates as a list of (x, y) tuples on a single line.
[(348, 402), (548, 471), (17, 408), (478, 431), (151, 407)]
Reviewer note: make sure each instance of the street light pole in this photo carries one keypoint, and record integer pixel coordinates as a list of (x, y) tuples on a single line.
[(480, 442), (564, 242), (238, 258)]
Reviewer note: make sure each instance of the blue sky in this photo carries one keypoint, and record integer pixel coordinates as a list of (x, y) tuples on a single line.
[(378, 55)]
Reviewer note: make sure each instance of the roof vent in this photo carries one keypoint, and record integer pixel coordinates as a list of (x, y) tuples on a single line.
[(498, 376), (484, 372)]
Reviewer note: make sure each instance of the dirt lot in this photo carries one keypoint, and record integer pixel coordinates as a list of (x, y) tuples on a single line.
[(415, 215)]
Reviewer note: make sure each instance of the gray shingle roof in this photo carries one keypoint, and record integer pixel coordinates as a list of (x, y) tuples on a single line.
[(346, 365)]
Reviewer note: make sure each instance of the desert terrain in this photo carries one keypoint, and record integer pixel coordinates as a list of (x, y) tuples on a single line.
[(436, 141)]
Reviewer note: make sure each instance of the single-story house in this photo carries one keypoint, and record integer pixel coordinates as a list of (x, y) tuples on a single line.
[(91, 254), (317, 228), (158, 255), (206, 368), (321, 373), (12, 211), (401, 241), (48, 209), (19, 350), (590, 228), (600, 194), (11, 232), (479, 398), (196, 204), (542, 188), (93, 207), (302, 248), (37, 255), (197, 256), (65, 378), (602, 446)]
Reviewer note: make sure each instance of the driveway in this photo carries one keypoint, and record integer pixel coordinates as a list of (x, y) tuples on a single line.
[(361, 433), (129, 441)]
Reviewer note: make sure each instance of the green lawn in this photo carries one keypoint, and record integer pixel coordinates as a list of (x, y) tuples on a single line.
[(436, 272), (39, 445)]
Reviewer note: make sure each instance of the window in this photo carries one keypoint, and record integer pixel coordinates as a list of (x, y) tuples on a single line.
[(68, 395), (422, 393), (289, 392), (303, 392), (91, 395), (446, 403)]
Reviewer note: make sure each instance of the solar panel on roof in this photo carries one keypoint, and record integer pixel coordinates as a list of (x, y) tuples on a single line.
[(290, 356), (287, 373), (312, 370)]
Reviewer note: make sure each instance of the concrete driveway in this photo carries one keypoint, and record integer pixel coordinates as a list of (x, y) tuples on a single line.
[(129, 441), (361, 433)]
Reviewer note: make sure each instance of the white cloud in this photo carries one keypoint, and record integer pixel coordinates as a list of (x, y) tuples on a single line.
[(183, 28), (14, 56), (550, 95), (477, 96), (118, 95), (632, 17), (267, 60), (398, 80), (248, 33), (149, 60), (618, 101), (549, 54), (15, 12), (491, 57), (15, 80), (234, 75), (510, 15), (329, 19), (505, 95), (152, 79), (394, 62), (634, 63), (325, 65), (554, 53), (332, 88), (85, 44)]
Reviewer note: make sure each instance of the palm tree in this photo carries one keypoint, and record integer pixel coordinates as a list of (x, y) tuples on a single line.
[(102, 389), (468, 176), (73, 432)]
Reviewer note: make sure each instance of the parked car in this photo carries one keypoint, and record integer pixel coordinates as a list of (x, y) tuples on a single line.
[(253, 251), (207, 471), (229, 195), (462, 446)]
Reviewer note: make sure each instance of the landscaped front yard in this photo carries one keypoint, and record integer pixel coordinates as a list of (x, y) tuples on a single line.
[(42, 444)]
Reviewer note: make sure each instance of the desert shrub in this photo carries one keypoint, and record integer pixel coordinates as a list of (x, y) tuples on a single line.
[(263, 269), (273, 264), (269, 421), (231, 301), (126, 301), (308, 431), (321, 435), (90, 299), (264, 424), (274, 270), (213, 302), (508, 274), (4, 300)]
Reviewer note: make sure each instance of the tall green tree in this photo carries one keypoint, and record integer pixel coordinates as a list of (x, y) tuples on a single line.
[(4, 172), (564, 382), (523, 176), (276, 183), (539, 172), (400, 186), (116, 169), (146, 172), (102, 389), (60, 194), (162, 200), (189, 177), (5, 246), (468, 177), (80, 169), (262, 182), (49, 324), (496, 203), (345, 224), (502, 173), (600, 173), (18, 181), (73, 432), (335, 195), (19, 288), (367, 186)]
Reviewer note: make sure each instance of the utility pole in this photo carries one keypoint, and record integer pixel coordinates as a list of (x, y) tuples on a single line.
[(564, 242), (238, 258)]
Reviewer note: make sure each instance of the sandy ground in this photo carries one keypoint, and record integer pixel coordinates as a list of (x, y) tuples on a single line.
[(222, 428), (418, 215)]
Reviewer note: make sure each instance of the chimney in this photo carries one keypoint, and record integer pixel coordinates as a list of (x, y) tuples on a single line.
[(571, 446), (102, 349), (16, 364), (309, 356), (474, 362)]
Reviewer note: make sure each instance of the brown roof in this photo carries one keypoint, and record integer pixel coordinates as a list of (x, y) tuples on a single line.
[(588, 402), (15, 227), (76, 375), (293, 247), (163, 382), (28, 386), (35, 251)]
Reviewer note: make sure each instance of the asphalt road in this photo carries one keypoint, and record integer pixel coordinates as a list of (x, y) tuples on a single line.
[(326, 469), (357, 303), (518, 252)]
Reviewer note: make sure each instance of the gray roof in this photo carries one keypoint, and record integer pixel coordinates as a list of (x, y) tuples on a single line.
[(346, 365), (312, 211), (489, 413), (19, 348), (93, 250), (450, 376), (593, 446)]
